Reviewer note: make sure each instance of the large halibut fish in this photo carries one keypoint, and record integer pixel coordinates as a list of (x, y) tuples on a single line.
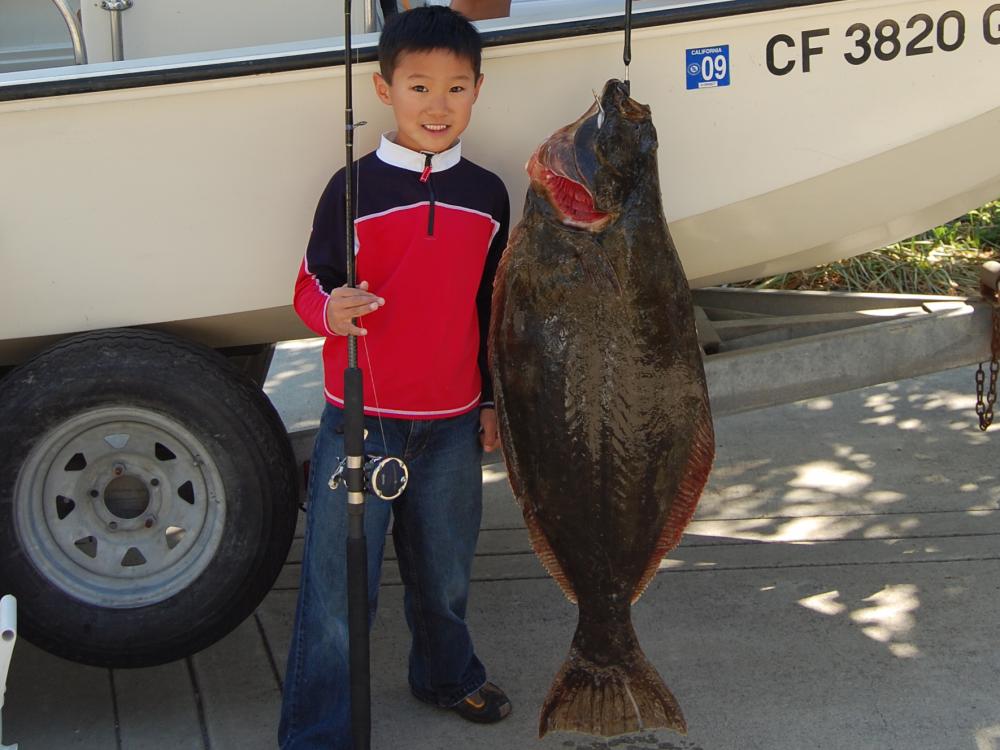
[(602, 403)]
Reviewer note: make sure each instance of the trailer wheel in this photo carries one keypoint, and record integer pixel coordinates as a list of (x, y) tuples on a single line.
[(147, 497)]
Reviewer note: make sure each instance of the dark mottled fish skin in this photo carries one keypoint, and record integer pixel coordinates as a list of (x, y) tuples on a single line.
[(601, 397)]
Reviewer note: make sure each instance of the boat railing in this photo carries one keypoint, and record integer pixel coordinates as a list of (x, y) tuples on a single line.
[(115, 9), (75, 32)]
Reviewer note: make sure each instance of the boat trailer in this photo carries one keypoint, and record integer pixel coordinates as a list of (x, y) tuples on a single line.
[(768, 347)]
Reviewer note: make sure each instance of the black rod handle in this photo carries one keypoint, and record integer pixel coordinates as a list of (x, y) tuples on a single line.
[(357, 623), (357, 559), (354, 426)]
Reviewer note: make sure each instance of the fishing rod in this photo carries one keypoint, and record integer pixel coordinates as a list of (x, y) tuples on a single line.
[(354, 450), (384, 476)]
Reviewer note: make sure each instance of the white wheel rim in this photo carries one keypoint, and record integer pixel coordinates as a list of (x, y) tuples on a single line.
[(120, 507)]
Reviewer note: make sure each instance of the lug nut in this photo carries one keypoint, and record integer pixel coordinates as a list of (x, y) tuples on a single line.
[(150, 520), (155, 482), (95, 493), (118, 469), (113, 525)]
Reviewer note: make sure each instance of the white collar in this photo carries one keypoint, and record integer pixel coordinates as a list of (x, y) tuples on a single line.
[(399, 156)]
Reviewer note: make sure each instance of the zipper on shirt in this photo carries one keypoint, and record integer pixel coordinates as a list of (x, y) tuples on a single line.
[(425, 176)]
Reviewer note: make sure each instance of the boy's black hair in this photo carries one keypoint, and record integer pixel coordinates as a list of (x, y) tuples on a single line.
[(428, 28)]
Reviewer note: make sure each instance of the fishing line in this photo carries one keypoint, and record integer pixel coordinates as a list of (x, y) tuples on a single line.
[(364, 341), (378, 409), (600, 110)]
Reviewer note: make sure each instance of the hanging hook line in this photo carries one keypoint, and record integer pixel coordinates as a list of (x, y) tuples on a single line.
[(627, 54)]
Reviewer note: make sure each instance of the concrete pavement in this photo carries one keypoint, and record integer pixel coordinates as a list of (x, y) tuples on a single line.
[(837, 590)]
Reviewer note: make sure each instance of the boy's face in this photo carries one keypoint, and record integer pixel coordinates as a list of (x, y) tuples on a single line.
[(431, 96)]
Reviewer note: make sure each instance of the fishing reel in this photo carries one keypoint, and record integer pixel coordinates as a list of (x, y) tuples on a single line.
[(385, 476)]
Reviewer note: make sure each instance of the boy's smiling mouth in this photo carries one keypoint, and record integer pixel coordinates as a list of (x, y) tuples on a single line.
[(436, 128)]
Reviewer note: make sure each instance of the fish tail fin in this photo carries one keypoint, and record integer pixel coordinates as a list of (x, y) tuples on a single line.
[(605, 701)]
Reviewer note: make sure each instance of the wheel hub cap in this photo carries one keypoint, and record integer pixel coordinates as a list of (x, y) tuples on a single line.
[(120, 507)]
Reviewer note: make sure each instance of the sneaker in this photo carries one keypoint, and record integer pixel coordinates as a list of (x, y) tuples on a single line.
[(487, 705)]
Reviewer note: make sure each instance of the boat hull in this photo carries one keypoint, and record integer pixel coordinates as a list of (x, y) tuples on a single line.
[(187, 206)]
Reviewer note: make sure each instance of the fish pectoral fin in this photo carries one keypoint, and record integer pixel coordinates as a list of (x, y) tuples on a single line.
[(543, 550)]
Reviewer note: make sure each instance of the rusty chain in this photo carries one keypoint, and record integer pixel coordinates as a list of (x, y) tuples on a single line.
[(986, 397)]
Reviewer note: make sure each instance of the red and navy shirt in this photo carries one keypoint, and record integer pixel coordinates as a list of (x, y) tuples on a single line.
[(429, 233)]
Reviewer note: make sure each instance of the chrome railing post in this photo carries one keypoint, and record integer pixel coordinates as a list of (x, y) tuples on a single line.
[(371, 16), (115, 7), (75, 33)]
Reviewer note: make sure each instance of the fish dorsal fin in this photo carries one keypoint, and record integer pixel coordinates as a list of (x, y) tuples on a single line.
[(696, 471), (544, 551)]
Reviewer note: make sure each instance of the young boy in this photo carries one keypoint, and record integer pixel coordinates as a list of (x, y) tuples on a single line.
[(430, 230)]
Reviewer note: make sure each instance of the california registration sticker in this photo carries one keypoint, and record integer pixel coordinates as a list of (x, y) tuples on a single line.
[(707, 67)]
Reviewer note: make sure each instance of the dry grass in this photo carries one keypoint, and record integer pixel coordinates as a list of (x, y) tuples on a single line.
[(945, 260)]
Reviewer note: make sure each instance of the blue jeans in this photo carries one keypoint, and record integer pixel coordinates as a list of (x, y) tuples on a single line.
[(435, 528)]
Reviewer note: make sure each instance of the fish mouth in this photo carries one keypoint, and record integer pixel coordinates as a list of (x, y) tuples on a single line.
[(556, 174), (587, 168)]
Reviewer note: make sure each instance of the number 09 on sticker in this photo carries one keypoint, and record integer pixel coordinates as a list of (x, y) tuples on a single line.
[(707, 67)]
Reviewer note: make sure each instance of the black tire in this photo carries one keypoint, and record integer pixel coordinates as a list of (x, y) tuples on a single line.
[(141, 412)]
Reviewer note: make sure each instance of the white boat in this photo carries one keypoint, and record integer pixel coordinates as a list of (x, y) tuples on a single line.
[(178, 189), (147, 490)]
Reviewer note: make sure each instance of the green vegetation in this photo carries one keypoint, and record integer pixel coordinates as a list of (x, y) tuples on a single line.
[(945, 260)]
